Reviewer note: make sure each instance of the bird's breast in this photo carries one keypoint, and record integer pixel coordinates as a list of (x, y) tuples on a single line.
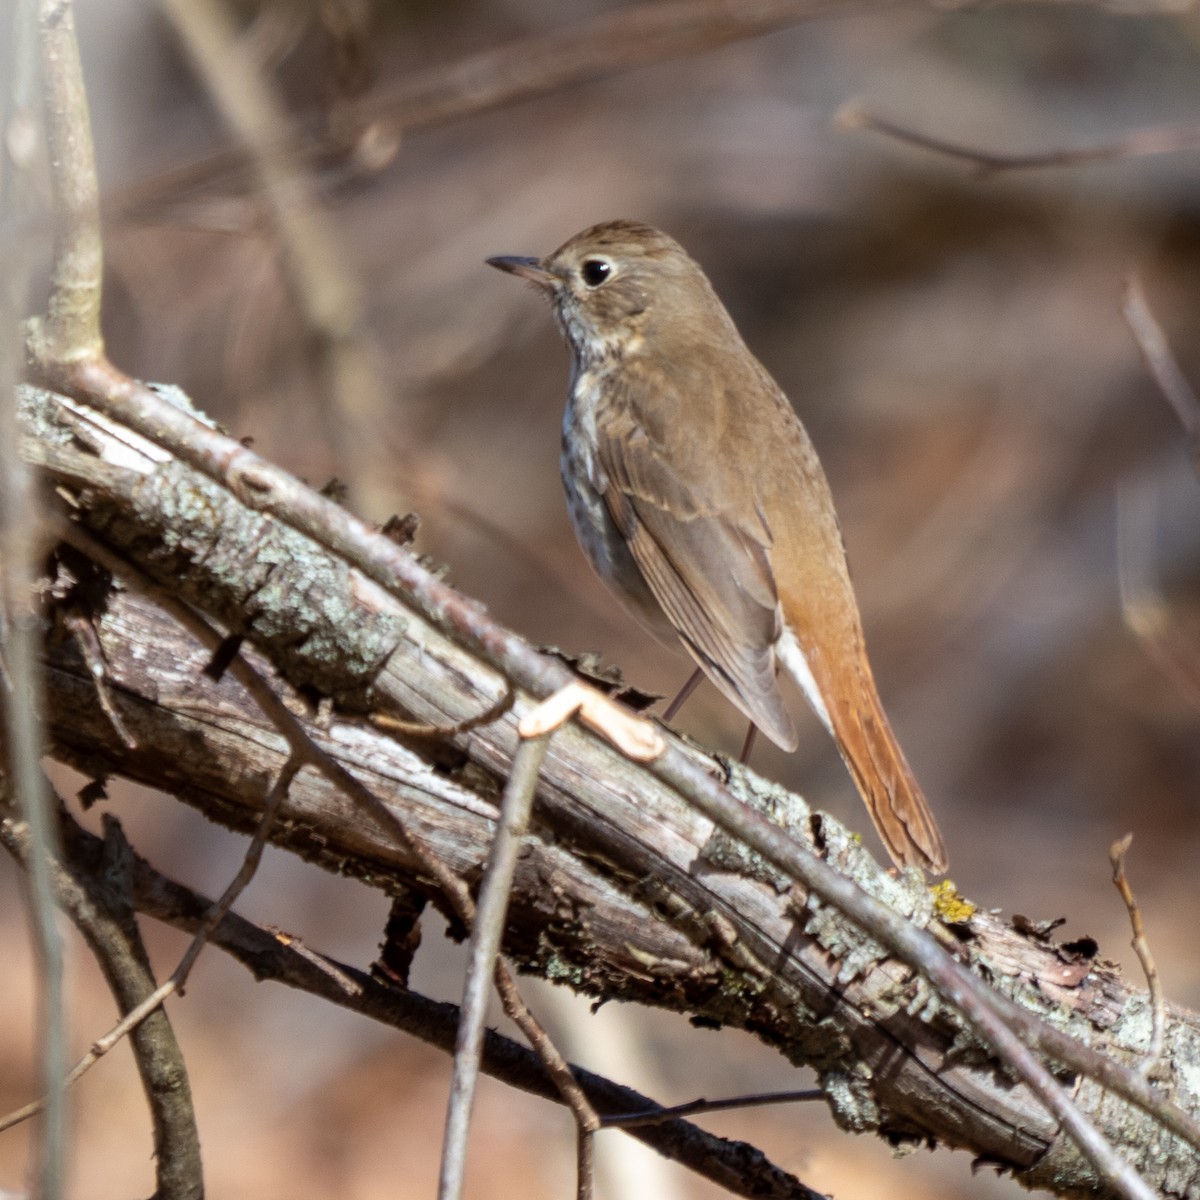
[(585, 483), (583, 476)]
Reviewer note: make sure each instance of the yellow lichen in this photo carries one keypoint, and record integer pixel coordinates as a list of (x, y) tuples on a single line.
[(949, 905)]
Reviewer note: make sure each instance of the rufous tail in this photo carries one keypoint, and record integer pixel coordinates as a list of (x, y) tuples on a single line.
[(892, 795)]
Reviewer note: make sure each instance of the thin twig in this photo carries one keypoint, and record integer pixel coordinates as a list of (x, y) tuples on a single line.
[(560, 1071), (328, 296), (84, 632), (983, 1008), (856, 115), (681, 697), (22, 705), (1161, 363), (419, 729), (270, 955), (585, 1162), (20, 638), (700, 1107), (484, 948), (238, 884), (1141, 946), (635, 36), (71, 329), (100, 904), (306, 750), (1143, 607), (178, 978)]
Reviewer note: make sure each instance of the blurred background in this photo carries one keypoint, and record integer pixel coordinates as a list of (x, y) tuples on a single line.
[(954, 345)]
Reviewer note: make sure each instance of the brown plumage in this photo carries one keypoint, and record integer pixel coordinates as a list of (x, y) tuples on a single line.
[(699, 499)]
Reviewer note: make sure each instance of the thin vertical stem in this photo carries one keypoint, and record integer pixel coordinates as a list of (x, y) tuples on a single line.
[(484, 948), (71, 331)]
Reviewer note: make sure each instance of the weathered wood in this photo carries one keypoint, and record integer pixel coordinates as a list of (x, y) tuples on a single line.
[(623, 891)]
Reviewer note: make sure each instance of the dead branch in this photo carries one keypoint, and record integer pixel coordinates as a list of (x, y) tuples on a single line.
[(101, 905), (1164, 368), (637, 35), (656, 883), (329, 298), (987, 162), (271, 955)]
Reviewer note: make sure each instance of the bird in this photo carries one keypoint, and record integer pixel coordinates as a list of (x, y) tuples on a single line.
[(697, 495)]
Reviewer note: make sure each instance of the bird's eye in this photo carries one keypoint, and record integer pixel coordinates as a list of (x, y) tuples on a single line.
[(595, 271)]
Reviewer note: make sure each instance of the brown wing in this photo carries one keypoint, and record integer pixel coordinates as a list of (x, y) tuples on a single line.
[(708, 570)]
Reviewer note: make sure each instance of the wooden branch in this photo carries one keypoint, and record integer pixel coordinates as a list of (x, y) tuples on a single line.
[(329, 298), (101, 906), (1162, 364), (71, 328), (270, 955), (624, 891)]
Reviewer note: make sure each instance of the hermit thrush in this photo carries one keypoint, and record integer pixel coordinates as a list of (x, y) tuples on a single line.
[(695, 492)]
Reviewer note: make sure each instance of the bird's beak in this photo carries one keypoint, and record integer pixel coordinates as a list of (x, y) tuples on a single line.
[(526, 268)]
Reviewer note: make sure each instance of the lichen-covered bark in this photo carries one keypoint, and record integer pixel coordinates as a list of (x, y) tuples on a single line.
[(624, 890)]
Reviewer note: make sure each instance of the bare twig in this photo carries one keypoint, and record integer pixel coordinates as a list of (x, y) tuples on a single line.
[(419, 729), (1143, 607), (856, 115), (238, 884), (71, 329), (614, 42), (22, 705), (484, 948), (634, 736), (270, 955), (1142, 604), (557, 1068), (103, 913), (328, 296), (84, 633), (699, 1107), (1141, 947), (149, 1003), (306, 750), (585, 1162), (681, 697), (19, 546), (1161, 363)]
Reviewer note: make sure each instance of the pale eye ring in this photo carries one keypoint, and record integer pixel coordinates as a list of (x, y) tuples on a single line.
[(595, 271)]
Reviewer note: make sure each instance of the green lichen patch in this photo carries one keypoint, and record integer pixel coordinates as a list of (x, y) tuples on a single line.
[(725, 852)]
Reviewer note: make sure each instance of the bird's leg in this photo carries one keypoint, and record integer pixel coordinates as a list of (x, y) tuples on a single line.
[(748, 744), (693, 682)]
